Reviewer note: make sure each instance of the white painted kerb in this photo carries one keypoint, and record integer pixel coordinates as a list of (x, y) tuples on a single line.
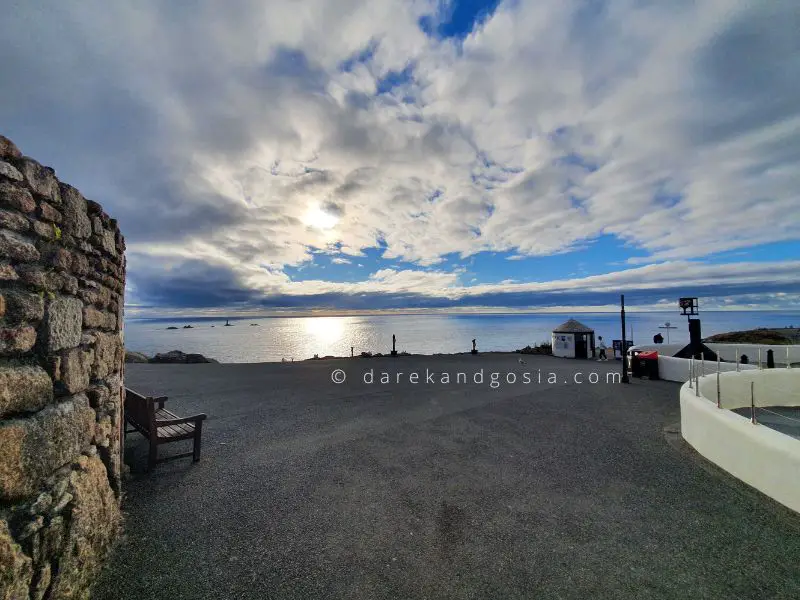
[(761, 457)]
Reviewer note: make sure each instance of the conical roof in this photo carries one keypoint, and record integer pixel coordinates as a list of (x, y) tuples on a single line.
[(573, 326)]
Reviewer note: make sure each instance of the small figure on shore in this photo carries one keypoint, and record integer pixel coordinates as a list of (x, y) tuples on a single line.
[(602, 347), (394, 345), (658, 339), (228, 323), (474, 347)]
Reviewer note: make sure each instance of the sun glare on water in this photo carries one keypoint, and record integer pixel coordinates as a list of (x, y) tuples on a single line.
[(324, 330), (319, 219)]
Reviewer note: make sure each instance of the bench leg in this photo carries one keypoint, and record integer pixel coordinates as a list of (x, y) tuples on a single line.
[(198, 440), (152, 456)]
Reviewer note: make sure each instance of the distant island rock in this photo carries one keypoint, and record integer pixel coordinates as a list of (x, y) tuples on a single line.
[(172, 327), (188, 327), (174, 357), (775, 337)]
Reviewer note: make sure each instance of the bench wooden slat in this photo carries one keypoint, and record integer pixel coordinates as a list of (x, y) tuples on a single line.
[(171, 431), (159, 425)]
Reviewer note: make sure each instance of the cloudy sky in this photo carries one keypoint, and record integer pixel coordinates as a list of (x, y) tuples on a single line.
[(364, 154)]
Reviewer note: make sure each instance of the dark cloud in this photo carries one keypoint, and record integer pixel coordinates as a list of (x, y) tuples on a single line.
[(190, 284)]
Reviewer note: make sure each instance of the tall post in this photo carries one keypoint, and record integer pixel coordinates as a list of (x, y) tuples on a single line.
[(759, 358), (718, 394), (788, 362), (737, 359), (691, 372), (624, 345), (752, 403)]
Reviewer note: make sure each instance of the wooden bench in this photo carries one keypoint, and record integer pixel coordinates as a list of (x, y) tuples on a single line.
[(148, 416)]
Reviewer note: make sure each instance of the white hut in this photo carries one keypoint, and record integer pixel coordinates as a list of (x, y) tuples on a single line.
[(573, 340)]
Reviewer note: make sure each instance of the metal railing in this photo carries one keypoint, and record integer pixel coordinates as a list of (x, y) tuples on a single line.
[(697, 369)]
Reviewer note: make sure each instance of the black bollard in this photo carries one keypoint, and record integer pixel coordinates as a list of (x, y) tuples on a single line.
[(394, 345), (770, 359), (744, 360), (474, 348)]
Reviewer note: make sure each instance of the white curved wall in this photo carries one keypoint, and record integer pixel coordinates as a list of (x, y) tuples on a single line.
[(677, 369), (761, 457), (728, 352)]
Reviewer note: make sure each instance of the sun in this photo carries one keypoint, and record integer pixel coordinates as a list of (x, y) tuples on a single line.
[(319, 219)]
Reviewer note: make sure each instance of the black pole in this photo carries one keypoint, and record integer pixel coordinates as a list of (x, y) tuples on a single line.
[(624, 344)]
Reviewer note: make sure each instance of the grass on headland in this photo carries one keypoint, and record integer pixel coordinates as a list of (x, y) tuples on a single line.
[(777, 337)]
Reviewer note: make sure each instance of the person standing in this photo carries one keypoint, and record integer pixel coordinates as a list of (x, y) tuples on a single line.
[(602, 347)]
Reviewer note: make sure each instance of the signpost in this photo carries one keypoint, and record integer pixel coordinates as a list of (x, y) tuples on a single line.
[(667, 326)]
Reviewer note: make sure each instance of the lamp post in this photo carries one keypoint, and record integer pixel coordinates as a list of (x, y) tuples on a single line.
[(624, 345)]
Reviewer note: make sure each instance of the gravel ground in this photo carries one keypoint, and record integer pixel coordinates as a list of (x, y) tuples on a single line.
[(308, 489)]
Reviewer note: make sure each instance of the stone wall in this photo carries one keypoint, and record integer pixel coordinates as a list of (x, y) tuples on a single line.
[(62, 279)]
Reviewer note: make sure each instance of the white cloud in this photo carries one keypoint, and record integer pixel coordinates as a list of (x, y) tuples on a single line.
[(212, 133)]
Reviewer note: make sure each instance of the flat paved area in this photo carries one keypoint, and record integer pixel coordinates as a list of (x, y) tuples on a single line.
[(308, 489)]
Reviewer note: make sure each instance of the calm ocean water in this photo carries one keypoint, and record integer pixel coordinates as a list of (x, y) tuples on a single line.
[(299, 338)]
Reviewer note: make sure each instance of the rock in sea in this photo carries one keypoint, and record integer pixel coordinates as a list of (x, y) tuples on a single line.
[(178, 357)]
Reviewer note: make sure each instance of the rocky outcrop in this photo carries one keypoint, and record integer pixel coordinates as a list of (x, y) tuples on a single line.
[(62, 279), (174, 357), (178, 357)]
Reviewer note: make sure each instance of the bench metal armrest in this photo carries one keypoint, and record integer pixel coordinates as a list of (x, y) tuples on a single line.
[(192, 419)]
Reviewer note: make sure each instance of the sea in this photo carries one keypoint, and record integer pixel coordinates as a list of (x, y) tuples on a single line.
[(273, 339)]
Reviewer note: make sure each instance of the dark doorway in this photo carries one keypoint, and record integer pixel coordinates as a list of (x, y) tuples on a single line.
[(581, 348)]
